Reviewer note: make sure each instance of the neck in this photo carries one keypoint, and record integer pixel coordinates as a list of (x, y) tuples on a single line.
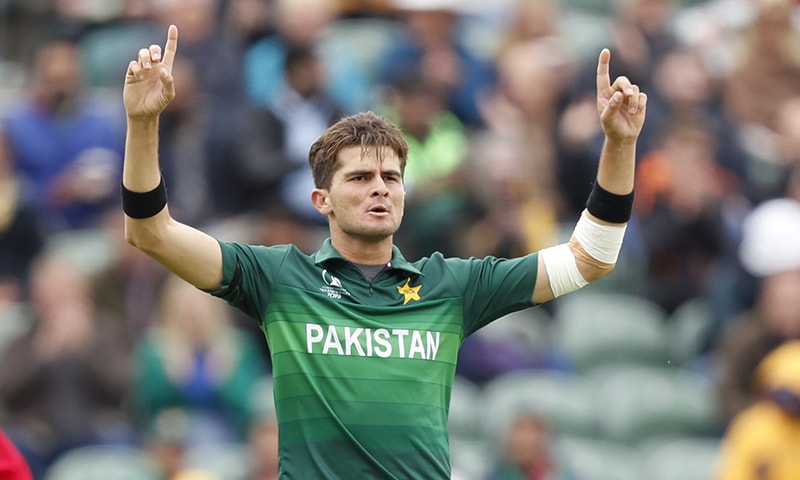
[(363, 251)]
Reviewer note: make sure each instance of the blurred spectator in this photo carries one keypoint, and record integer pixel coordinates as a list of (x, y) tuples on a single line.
[(190, 149), (303, 110), (207, 121), (774, 320), (248, 20), (513, 216), (21, 231), (680, 208), (767, 68), (166, 441), (262, 439), (429, 43), (106, 41), (773, 172), (272, 168), (531, 114), (761, 441), (215, 57), (63, 384), (66, 147), (685, 91), (532, 20), (434, 177), (770, 253), (363, 8), (305, 23), (526, 452), (126, 286), (192, 358), (642, 33), (579, 140)]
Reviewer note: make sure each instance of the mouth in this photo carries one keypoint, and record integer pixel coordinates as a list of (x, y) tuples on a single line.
[(378, 210)]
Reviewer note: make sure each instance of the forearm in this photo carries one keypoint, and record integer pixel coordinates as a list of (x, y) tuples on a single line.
[(141, 171), (616, 168)]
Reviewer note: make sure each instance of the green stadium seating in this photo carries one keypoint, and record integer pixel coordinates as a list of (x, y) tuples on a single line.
[(564, 401), (598, 329), (597, 459), (228, 461), (693, 458), (103, 462), (634, 403)]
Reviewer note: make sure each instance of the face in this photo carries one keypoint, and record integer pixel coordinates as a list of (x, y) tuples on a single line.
[(366, 198)]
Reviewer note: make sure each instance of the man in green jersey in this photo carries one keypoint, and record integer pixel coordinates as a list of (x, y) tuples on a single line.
[(364, 342)]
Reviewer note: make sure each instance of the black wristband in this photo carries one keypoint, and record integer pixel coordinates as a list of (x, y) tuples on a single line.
[(144, 204), (609, 206)]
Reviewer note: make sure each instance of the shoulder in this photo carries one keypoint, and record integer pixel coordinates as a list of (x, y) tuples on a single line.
[(251, 254)]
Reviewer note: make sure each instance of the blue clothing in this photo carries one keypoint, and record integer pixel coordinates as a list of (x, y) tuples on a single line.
[(347, 83), (477, 77), (45, 145)]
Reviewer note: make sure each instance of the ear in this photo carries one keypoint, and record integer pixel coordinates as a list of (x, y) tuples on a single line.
[(321, 201)]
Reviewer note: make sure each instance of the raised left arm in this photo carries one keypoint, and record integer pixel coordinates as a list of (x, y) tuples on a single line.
[(592, 250)]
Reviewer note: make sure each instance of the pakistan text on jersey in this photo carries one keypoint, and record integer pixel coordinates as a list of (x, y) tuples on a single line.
[(367, 342)]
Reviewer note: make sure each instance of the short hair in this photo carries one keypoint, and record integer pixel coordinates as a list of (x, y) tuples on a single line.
[(365, 129)]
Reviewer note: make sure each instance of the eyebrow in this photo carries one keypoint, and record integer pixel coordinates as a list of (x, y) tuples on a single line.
[(359, 173)]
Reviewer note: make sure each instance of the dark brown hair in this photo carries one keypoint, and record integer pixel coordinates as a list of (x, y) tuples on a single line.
[(364, 129)]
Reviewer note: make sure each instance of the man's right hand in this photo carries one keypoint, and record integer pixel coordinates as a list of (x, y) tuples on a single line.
[(149, 86)]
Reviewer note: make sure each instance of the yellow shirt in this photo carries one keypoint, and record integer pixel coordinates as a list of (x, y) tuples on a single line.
[(762, 443)]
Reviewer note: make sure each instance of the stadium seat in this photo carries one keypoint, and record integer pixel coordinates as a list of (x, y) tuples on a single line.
[(365, 38), (563, 400), (597, 329), (635, 403), (465, 409), (90, 249), (229, 461), (15, 320), (598, 459), (108, 49), (471, 459), (688, 330), (693, 458), (104, 462)]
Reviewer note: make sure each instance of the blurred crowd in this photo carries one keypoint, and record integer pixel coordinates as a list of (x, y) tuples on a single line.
[(99, 346)]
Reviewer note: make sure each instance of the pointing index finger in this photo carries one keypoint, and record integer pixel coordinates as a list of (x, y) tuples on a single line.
[(603, 78), (171, 46)]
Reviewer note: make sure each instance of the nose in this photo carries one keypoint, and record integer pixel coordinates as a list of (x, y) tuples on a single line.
[(379, 188)]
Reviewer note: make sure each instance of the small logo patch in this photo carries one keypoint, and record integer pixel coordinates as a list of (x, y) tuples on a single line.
[(408, 292)]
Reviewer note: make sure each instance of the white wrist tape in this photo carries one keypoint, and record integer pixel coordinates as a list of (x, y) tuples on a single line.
[(601, 242), (562, 269)]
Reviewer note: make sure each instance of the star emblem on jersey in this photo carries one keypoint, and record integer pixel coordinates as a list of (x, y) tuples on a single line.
[(409, 292)]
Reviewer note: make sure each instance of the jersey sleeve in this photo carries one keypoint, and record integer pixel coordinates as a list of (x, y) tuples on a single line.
[(249, 274), (492, 287)]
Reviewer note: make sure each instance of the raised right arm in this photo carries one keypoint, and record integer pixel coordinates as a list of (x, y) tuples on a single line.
[(189, 253)]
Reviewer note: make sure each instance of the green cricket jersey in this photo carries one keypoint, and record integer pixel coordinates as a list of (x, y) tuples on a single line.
[(363, 371)]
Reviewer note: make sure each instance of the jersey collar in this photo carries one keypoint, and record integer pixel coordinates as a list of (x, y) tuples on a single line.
[(327, 253)]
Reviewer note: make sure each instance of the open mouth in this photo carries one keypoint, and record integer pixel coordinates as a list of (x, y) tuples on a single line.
[(379, 209)]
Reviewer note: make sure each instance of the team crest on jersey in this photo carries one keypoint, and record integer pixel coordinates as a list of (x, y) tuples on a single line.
[(408, 292), (333, 286)]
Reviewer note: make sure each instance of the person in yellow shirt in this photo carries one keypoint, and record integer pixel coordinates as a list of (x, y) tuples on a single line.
[(763, 441)]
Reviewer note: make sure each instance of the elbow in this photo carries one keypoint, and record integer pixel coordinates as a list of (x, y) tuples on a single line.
[(590, 267), (144, 234), (595, 272)]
